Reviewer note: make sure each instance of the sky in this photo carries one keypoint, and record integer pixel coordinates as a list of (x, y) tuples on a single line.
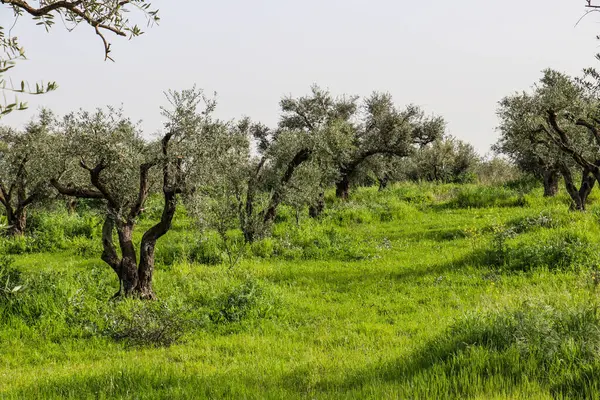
[(453, 58)]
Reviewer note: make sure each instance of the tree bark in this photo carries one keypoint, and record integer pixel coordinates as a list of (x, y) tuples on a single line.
[(135, 279), (17, 221), (383, 182), (342, 187), (578, 196), (551, 178), (129, 267), (148, 245), (247, 216)]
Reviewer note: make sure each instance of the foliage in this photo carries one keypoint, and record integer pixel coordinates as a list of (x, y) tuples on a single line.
[(103, 16), (446, 160), (27, 161), (495, 171), (545, 133)]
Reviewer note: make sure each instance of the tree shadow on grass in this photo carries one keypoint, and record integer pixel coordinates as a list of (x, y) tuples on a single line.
[(348, 275), (552, 350)]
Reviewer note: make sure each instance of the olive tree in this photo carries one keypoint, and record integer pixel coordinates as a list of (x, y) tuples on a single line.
[(117, 165), (105, 17), (261, 169), (268, 174), (375, 127), (523, 142), (532, 126), (575, 131), (447, 160), (26, 162)]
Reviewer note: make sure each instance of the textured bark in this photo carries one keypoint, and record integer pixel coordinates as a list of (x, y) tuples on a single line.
[(128, 270), (246, 213), (71, 205), (135, 279), (342, 187), (578, 196), (551, 179), (17, 221), (146, 268)]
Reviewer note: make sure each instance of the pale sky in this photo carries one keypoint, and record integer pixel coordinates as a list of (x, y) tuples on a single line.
[(454, 58)]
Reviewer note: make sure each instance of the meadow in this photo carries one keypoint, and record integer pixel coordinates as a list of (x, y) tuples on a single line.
[(420, 291)]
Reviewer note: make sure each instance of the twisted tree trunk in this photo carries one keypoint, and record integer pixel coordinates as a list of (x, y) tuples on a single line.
[(551, 178), (135, 278), (578, 196), (17, 221), (342, 187)]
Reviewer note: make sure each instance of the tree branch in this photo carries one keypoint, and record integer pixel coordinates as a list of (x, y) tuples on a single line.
[(80, 193), (591, 128), (95, 178), (143, 191), (74, 7)]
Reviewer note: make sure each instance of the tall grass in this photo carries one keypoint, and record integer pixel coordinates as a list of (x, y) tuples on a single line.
[(419, 291)]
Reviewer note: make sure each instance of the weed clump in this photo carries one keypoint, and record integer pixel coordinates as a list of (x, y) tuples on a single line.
[(237, 305), (471, 196), (149, 324), (554, 250)]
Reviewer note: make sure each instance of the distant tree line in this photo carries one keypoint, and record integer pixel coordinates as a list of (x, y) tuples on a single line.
[(230, 174)]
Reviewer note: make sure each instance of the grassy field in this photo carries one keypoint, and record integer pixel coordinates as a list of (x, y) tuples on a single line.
[(418, 292)]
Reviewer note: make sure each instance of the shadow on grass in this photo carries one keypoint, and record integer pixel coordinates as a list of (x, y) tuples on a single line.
[(437, 235), (553, 350), (350, 274)]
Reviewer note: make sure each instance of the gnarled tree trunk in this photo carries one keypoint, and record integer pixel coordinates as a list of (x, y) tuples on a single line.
[(267, 216), (135, 278), (17, 221), (551, 178), (578, 196), (342, 187)]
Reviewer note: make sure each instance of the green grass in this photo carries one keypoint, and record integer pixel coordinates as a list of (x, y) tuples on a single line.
[(423, 291)]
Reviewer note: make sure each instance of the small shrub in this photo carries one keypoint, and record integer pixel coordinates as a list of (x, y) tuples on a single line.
[(351, 214), (556, 250), (85, 247), (143, 323), (17, 245), (236, 305), (263, 248), (542, 220), (206, 251), (561, 251), (549, 345), (11, 282), (470, 196)]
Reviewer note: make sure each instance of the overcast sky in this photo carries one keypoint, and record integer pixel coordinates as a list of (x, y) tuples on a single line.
[(455, 58)]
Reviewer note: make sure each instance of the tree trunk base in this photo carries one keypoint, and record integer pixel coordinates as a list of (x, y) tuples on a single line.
[(342, 188)]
